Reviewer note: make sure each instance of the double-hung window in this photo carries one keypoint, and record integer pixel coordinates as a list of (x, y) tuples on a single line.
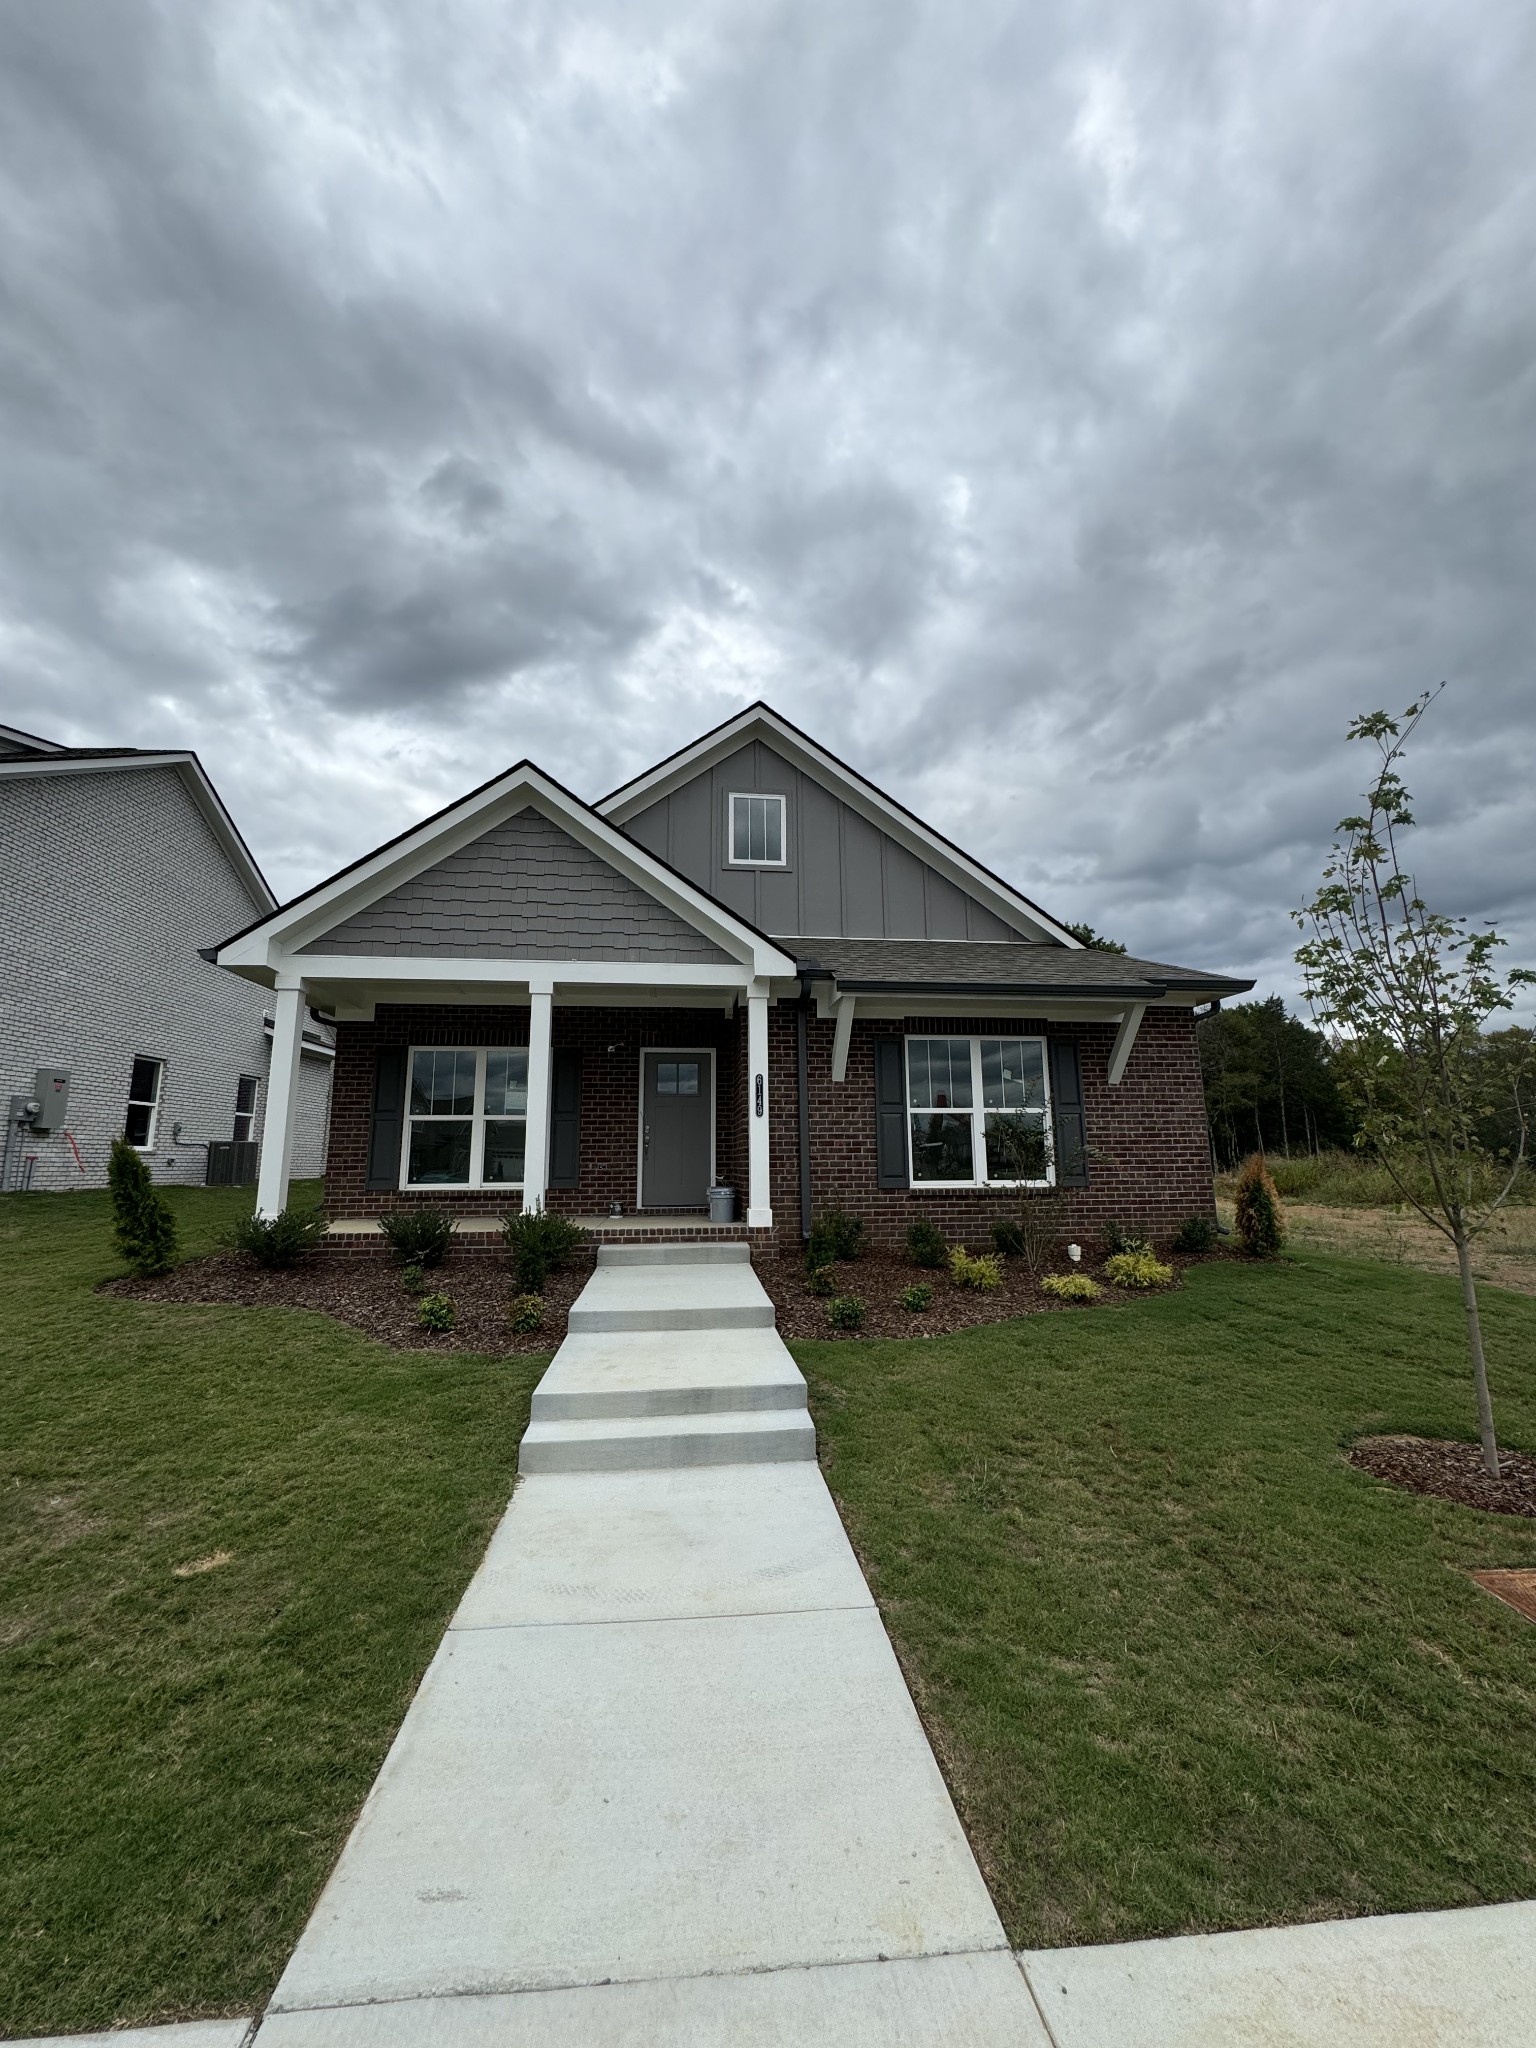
[(245, 1107), (466, 1117), (757, 832), (978, 1112), (143, 1104)]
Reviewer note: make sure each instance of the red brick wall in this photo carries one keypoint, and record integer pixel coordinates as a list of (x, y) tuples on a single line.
[(1149, 1159)]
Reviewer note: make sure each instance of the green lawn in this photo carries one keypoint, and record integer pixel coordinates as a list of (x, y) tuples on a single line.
[(1184, 1667), (181, 1757)]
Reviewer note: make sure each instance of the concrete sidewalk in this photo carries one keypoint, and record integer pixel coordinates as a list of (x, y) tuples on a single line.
[(663, 1781)]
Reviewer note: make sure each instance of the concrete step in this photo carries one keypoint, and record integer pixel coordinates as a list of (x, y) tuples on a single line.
[(656, 1295), (646, 1442), (692, 1252), (667, 1372)]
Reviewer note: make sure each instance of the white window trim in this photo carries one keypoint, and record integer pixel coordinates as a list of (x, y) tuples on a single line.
[(134, 1102), (977, 1112), (671, 1052), (253, 1114), (765, 796), (477, 1121)]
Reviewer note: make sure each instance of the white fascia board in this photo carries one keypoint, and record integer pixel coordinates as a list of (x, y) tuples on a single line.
[(859, 795), (385, 970), (198, 787), (1109, 1012), (278, 937)]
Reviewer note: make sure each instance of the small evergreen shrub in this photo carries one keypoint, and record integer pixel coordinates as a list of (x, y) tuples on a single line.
[(282, 1241), (142, 1221), (1137, 1269), (822, 1280), (1117, 1240), (1195, 1234), (836, 1238), (414, 1279), (845, 1312), (436, 1312), (418, 1237), (1258, 1210), (916, 1298), (526, 1313), (1071, 1286), (983, 1272), (540, 1244), (1008, 1240), (928, 1246)]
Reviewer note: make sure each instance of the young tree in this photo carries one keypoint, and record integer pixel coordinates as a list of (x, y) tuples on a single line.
[(1405, 994)]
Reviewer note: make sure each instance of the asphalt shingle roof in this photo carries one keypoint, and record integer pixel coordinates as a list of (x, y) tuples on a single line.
[(996, 967)]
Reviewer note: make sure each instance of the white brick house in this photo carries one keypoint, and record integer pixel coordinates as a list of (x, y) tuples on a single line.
[(118, 869)]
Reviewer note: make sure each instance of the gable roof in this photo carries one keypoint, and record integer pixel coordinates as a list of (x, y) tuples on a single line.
[(307, 917), (761, 721), (45, 757)]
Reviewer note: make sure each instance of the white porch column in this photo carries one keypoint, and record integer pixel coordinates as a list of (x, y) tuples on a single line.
[(282, 1097), (541, 1004), (759, 1190)]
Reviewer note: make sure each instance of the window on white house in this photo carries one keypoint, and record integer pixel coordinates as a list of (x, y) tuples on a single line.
[(757, 831), (979, 1112), (143, 1103), (466, 1117), (245, 1107)]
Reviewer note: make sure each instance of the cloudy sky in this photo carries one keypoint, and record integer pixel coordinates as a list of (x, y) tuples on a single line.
[(1071, 412)]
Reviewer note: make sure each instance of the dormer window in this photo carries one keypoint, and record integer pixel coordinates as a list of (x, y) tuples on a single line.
[(757, 831)]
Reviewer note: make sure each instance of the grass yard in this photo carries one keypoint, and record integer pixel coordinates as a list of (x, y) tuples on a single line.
[(182, 1756), (1185, 1668)]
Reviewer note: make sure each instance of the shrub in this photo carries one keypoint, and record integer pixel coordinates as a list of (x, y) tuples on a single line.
[(928, 1246), (916, 1298), (1137, 1269), (984, 1272), (414, 1280), (822, 1280), (1071, 1286), (281, 1242), (835, 1239), (845, 1312), (526, 1313), (436, 1312), (1258, 1210), (1195, 1234), (142, 1221), (1117, 1240), (418, 1237), (1008, 1240), (540, 1244)]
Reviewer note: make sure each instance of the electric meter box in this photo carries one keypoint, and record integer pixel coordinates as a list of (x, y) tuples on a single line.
[(51, 1092)]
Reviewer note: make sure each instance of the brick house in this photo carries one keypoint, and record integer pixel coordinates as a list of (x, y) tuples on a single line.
[(747, 967), (119, 868)]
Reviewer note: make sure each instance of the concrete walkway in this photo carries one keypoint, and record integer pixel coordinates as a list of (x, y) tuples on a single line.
[(663, 1782)]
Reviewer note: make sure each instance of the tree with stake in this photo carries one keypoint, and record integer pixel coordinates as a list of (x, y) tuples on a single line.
[(1405, 994)]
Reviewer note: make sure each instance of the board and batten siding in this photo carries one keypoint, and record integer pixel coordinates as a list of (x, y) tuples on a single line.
[(844, 877), (524, 890)]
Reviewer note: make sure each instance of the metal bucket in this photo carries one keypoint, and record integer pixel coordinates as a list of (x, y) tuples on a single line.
[(722, 1205)]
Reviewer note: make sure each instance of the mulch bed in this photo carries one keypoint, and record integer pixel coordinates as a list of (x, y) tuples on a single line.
[(366, 1292), (1450, 1471), (879, 1278)]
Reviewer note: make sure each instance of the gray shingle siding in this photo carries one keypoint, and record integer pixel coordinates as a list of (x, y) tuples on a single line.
[(844, 877), (109, 884), (523, 890)]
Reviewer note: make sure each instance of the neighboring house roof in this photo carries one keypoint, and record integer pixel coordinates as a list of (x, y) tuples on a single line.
[(302, 923), (44, 757), (761, 721), (990, 967)]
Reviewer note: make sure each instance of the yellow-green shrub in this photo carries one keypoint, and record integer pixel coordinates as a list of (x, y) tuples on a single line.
[(1137, 1269), (984, 1273), (1071, 1287)]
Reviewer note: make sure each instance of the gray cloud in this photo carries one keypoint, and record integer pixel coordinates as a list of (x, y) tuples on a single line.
[(1072, 414)]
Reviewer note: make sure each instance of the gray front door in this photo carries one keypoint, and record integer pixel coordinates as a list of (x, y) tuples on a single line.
[(677, 1109)]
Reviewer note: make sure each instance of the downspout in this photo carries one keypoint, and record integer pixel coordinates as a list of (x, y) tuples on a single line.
[(805, 1123)]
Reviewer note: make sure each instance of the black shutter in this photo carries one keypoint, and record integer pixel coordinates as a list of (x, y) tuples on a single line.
[(387, 1128), (565, 1118), (890, 1114), (1067, 1107)]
